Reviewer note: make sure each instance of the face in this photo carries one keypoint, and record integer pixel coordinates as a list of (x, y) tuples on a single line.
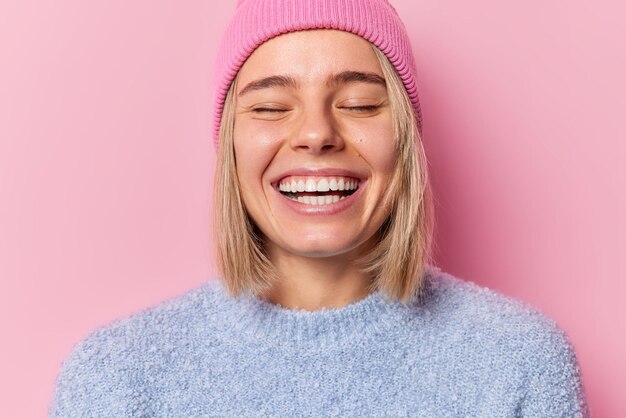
[(313, 140)]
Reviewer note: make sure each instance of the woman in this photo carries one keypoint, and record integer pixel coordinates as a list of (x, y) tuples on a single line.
[(328, 303)]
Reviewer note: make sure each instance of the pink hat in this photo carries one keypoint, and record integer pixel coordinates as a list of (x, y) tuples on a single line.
[(257, 21)]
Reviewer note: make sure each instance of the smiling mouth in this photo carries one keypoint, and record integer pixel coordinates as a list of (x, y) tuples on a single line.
[(316, 190)]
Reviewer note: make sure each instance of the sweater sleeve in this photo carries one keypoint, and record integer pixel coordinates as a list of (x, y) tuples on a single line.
[(95, 380), (555, 385)]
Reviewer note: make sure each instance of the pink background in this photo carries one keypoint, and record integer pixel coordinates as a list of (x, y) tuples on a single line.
[(106, 167)]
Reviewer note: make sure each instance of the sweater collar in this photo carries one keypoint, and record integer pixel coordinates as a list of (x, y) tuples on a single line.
[(262, 322)]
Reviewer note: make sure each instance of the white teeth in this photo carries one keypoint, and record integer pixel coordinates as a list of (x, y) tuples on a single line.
[(322, 185), (310, 185), (326, 184), (319, 200)]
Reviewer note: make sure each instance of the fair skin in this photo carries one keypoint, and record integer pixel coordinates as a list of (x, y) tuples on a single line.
[(324, 123)]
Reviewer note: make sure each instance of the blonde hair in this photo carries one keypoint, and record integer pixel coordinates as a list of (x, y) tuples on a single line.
[(397, 264)]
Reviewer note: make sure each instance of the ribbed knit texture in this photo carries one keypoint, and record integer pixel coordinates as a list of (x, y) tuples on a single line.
[(257, 21), (462, 351)]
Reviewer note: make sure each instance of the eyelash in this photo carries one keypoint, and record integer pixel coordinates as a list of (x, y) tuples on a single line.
[(264, 109), (355, 108), (363, 108)]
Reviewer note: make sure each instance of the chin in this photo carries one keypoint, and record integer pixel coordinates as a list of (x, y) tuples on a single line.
[(319, 248)]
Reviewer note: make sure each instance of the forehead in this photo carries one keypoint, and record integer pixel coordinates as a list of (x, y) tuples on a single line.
[(310, 55)]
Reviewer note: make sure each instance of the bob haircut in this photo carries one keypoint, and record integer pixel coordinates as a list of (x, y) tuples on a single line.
[(397, 264)]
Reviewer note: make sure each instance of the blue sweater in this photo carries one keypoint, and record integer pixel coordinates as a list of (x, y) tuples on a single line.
[(461, 351)]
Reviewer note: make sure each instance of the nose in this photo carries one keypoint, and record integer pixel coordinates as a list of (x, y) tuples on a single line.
[(317, 131)]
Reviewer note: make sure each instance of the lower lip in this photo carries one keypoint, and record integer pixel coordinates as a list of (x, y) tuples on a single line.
[(325, 209)]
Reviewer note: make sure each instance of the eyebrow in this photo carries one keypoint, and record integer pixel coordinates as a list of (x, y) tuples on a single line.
[(288, 81)]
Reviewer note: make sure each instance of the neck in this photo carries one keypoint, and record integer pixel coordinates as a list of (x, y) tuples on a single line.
[(313, 283)]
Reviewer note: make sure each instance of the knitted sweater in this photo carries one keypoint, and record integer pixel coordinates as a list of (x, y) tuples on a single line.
[(461, 351)]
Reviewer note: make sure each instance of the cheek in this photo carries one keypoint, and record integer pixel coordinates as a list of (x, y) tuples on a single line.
[(375, 144), (254, 149), (256, 134)]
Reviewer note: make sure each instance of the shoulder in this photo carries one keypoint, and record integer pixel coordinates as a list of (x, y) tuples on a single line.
[(476, 311), (470, 306), (167, 319), (104, 371), (512, 339)]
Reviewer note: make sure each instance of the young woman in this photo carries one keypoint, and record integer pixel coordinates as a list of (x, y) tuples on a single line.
[(328, 303)]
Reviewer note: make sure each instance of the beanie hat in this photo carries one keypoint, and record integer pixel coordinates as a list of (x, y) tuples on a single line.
[(257, 21)]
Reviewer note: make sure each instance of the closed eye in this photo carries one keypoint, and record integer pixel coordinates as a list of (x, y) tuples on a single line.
[(267, 109), (367, 108)]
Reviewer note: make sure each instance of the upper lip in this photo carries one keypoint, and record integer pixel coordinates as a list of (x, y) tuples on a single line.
[(313, 171)]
